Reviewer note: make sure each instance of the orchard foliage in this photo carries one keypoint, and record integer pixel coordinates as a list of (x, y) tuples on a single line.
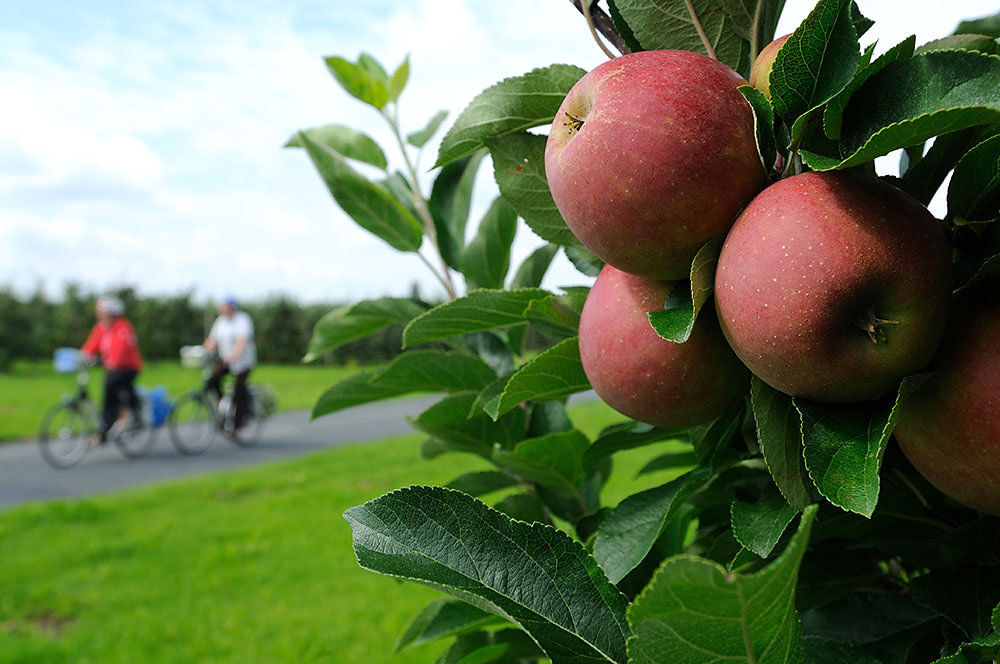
[(794, 531)]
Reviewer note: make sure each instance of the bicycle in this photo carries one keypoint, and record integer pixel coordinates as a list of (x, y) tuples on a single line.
[(197, 417), (67, 428)]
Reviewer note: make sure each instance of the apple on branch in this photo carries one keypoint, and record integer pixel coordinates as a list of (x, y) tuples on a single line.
[(834, 286), (644, 376), (949, 428), (650, 155)]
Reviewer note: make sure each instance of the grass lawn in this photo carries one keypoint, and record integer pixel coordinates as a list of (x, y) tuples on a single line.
[(31, 388), (246, 566)]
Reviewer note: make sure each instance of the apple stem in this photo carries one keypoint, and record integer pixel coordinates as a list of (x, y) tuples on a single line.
[(585, 8), (701, 30), (603, 23)]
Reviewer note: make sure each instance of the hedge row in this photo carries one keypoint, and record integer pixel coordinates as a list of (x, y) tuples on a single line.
[(30, 328)]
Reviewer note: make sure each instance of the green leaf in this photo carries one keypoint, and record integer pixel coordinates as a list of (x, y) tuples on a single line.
[(961, 42), (622, 27), (984, 650), (924, 178), (982, 262), (583, 260), (512, 105), (450, 423), (349, 142), (844, 445), (533, 269), (779, 436), (434, 370), (479, 310), (758, 526), (553, 460), (867, 619), (988, 25), (685, 300), (519, 169), (374, 69), (743, 13), (523, 507), (967, 597), (916, 99), (827, 651), (372, 207), (816, 62), (501, 647), (861, 22), (669, 461), (695, 610), (419, 139), (553, 374), (482, 482), (629, 532), (996, 618), (352, 391), (399, 79), (547, 417), (449, 204), (557, 315), (487, 258), (532, 575), (763, 123), (361, 80), (349, 323), (833, 114), (441, 619), (713, 440), (974, 191), (626, 436), (668, 24)]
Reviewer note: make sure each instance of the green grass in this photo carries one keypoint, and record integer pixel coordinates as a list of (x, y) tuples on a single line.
[(246, 566), (31, 388)]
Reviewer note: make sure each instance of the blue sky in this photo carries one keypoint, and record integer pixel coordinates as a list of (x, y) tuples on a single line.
[(142, 140)]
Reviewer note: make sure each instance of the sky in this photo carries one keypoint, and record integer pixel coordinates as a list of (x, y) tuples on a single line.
[(142, 141)]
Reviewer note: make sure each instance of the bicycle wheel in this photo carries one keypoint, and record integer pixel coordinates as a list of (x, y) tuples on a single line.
[(133, 440), (259, 410), (65, 435), (191, 424)]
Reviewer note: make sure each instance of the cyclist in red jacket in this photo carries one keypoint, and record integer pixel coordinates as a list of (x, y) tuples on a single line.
[(114, 339)]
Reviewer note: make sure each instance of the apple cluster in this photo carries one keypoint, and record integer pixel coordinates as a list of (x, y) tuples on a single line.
[(829, 286)]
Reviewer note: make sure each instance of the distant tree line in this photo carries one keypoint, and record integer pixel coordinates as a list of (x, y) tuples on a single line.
[(32, 327)]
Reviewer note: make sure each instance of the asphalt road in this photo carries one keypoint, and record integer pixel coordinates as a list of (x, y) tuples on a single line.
[(24, 475)]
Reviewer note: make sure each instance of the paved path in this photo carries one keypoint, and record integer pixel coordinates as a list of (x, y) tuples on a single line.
[(24, 476)]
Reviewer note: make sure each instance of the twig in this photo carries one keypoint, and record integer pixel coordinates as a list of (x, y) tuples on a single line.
[(444, 276), (701, 31), (603, 24)]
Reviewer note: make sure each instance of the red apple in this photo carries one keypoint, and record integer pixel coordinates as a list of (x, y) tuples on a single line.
[(648, 378), (949, 429), (834, 286), (650, 155), (760, 71)]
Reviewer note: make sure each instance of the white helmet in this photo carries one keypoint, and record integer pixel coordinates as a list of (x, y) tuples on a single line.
[(111, 305)]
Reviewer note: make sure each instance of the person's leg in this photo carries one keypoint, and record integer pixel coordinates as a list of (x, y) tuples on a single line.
[(114, 379), (214, 383), (129, 394), (241, 396)]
